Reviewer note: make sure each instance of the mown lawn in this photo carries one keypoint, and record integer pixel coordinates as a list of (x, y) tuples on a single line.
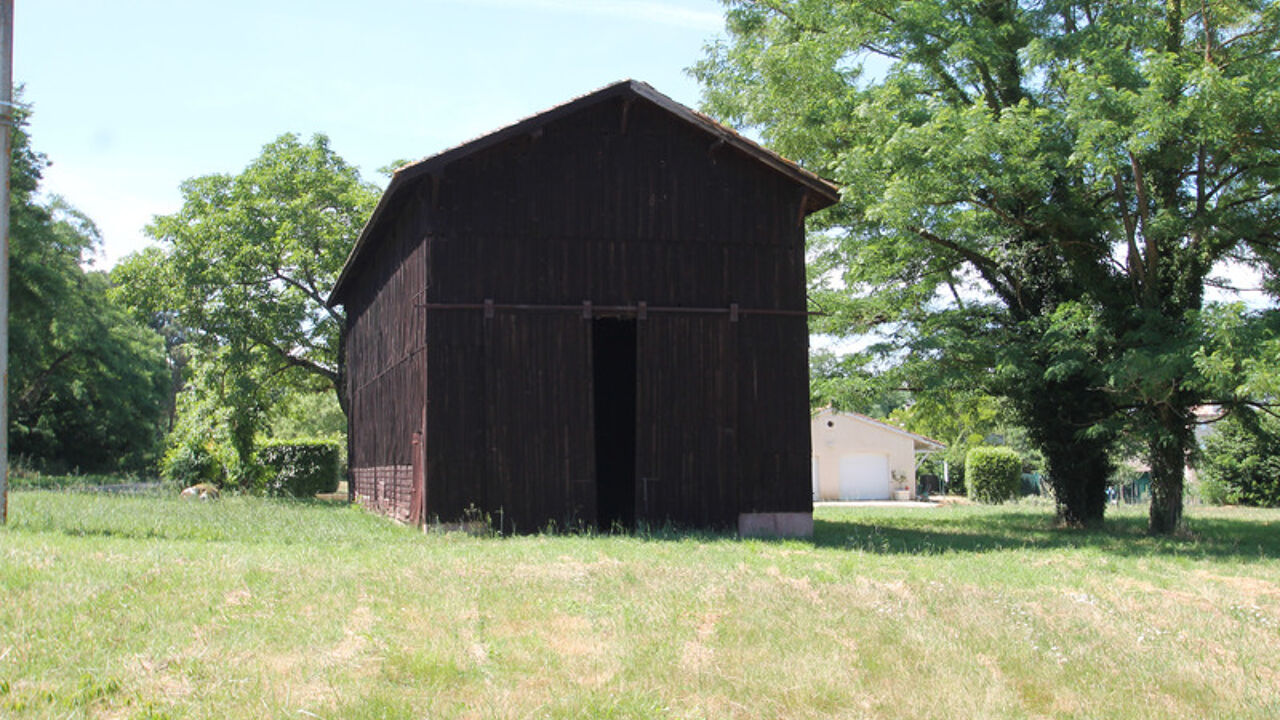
[(149, 607)]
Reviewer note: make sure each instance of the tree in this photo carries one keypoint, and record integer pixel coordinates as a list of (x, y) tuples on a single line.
[(1240, 461), (86, 384), (1035, 194), (850, 382), (245, 267)]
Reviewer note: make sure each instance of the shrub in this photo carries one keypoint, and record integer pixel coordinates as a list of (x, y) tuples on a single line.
[(992, 474), (198, 449), (1240, 463), (300, 468), (192, 462), (1215, 492)]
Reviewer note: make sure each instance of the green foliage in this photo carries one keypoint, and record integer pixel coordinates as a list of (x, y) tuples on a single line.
[(86, 381), (200, 445), (249, 258), (300, 468), (1215, 492), (960, 421), (1035, 195), (241, 275), (303, 414), (850, 382), (1240, 462), (203, 446), (26, 478), (992, 474), (1237, 355)]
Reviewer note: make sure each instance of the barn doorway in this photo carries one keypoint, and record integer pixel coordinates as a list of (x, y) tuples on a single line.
[(613, 356)]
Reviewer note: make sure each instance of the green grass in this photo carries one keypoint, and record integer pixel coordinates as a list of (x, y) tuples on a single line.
[(150, 607), (22, 478)]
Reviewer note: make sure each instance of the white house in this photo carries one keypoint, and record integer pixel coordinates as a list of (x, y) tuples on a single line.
[(859, 458)]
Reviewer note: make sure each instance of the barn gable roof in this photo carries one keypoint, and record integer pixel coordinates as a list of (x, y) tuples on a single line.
[(822, 193)]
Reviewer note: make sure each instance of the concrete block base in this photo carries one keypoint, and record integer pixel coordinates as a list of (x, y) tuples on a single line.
[(786, 524)]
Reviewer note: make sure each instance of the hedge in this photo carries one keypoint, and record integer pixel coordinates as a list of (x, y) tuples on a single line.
[(301, 468), (993, 474)]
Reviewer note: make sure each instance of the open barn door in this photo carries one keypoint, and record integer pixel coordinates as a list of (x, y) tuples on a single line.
[(613, 356)]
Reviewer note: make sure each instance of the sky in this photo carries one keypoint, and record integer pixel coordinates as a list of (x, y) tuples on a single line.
[(131, 97)]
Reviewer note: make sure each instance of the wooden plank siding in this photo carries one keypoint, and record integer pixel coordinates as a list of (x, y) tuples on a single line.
[(688, 449), (616, 203), (386, 361)]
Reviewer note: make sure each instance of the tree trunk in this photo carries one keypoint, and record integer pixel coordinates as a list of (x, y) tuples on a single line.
[(1168, 459), (1056, 415), (1078, 474)]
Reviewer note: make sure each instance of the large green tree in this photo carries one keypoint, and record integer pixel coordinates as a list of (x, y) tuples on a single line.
[(86, 382), (244, 268), (1035, 194)]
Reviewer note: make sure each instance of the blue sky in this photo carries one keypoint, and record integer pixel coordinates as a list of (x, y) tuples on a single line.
[(132, 97)]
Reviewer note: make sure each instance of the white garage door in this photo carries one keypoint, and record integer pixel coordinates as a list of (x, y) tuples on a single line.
[(864, 476)]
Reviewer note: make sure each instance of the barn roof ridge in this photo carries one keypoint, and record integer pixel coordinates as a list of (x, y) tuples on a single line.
[(827, 191)]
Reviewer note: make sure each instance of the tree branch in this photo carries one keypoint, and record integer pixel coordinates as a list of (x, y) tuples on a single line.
[(311, 293), (986, 267), (33, 391), (298, 362)]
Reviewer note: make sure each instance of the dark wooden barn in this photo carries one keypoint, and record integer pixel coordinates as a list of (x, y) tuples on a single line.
[(596, 316)]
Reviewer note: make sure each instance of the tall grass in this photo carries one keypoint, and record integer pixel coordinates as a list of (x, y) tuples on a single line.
[(149, 607)]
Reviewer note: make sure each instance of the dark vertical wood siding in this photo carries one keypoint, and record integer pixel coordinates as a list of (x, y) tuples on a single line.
[(590, 208), (540, 466), (687, 445), (386, 363)]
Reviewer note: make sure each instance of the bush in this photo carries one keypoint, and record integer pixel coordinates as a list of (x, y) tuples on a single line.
[(300, 468), (992, 474), (1240, 463), (190, 463), (1216, 492), (198, 449)]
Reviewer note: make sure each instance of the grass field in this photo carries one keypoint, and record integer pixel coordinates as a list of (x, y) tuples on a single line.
[(149, 607)]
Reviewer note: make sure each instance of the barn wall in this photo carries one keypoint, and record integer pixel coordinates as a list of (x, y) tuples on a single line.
[(386, 364), (585, 212), (509, 419), (687, 447), (590, 209)]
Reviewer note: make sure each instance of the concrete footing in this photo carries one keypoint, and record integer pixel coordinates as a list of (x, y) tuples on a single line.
[(785, 524)]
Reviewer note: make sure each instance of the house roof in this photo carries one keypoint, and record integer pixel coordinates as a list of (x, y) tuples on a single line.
[(920, 442), (823, 193)]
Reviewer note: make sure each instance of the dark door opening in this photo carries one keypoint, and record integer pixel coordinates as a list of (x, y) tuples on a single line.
[(613, 356)]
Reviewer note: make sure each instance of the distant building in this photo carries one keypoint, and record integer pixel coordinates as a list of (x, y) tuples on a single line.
[(856, 457)]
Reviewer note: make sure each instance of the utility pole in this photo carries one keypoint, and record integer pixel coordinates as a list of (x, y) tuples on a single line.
[(6, 130)]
